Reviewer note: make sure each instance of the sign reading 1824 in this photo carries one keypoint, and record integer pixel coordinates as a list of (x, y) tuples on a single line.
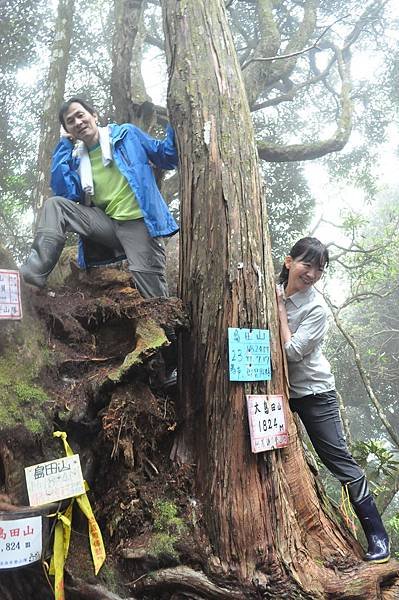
[(267, 424)]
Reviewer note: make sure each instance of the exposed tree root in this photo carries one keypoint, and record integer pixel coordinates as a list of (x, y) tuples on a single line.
[(87, 591), (185, 579), (364, 583), (391, 592)]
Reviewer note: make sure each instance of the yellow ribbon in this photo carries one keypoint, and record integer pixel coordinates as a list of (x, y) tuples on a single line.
[(62, 533)]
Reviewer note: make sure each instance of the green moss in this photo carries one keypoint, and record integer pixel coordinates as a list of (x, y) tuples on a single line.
[(163, 545), (27, 393), (21, 398), (64, 415), (34, 425), (165, 517), (169, 527)]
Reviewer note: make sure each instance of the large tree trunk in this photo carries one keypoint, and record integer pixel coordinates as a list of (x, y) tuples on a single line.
[(268, 527)]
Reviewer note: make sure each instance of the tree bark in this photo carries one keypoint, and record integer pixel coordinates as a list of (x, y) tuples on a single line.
[(267, 528), (49, 127), (128, 14)]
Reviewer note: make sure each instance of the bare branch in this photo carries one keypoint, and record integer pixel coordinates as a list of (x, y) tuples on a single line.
[(289, 96), (294, 152), (366, 296), (299, 52), (362, 372)]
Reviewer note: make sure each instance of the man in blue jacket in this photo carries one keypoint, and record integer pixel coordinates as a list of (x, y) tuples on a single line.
[(105, 190)]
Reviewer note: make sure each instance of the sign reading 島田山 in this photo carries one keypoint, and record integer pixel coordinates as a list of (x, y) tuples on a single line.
[(54, 480), (10, 295), (20, 542), (266, 422), (249, 354)]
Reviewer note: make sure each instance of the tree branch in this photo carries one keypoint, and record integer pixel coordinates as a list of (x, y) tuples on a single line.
[(363, 374), (366, 296), (314, 46), (294, 152)]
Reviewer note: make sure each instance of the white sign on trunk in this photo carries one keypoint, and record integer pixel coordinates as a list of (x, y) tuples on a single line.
[(266, 422), (10, 295), (20, 542), (54, 480)]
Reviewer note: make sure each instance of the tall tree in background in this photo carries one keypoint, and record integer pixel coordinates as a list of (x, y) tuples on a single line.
[(262, 516), (54, 93), (128, 16), (21, 33)]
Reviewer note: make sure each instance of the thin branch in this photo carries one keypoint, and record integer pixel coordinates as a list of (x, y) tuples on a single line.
[(299, 52), (384, 331), (366, 296), (363, 374)]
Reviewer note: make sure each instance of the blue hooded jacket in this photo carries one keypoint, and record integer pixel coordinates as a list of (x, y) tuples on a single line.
[(132, 151)]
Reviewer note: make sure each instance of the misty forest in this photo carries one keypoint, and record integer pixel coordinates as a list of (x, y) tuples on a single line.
[(285, 117)]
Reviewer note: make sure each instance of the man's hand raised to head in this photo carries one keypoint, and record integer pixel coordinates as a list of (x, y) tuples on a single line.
[(65, 134)]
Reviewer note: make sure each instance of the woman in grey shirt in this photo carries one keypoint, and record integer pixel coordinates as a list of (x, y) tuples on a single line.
[(303, 322)]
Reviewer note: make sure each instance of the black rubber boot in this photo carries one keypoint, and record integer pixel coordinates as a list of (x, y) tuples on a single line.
[(45, 252), (370, 520)]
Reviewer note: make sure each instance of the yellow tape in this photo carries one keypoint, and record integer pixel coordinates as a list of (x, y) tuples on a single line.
[(63, 436), (96, 539), (62, 533)]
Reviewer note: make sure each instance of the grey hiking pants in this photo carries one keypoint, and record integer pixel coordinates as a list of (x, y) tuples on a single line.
[(320, 415), (145, 255)]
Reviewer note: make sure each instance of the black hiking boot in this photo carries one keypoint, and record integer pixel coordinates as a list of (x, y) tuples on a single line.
[(45, 252)]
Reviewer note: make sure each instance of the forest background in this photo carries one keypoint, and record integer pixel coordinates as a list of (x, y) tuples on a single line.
[(326, 113)]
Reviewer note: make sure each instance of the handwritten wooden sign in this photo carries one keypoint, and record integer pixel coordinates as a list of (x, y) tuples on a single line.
[(267, 424), (10, 295), (54, 480), (249, 354)]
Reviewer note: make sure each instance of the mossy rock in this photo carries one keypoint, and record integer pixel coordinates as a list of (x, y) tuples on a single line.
[(23, 356)]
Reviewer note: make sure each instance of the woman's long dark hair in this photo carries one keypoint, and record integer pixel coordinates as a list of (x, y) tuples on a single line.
[(307, 249), (65, 105)]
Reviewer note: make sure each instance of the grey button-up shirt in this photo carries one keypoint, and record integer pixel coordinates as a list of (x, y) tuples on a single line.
[(309, 370)]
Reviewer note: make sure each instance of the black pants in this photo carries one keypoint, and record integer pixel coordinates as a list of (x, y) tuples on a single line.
[(320, 415)]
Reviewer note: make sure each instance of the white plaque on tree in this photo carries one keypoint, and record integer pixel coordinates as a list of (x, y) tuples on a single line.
[(20, 542), (267, 424), (10, 295)]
